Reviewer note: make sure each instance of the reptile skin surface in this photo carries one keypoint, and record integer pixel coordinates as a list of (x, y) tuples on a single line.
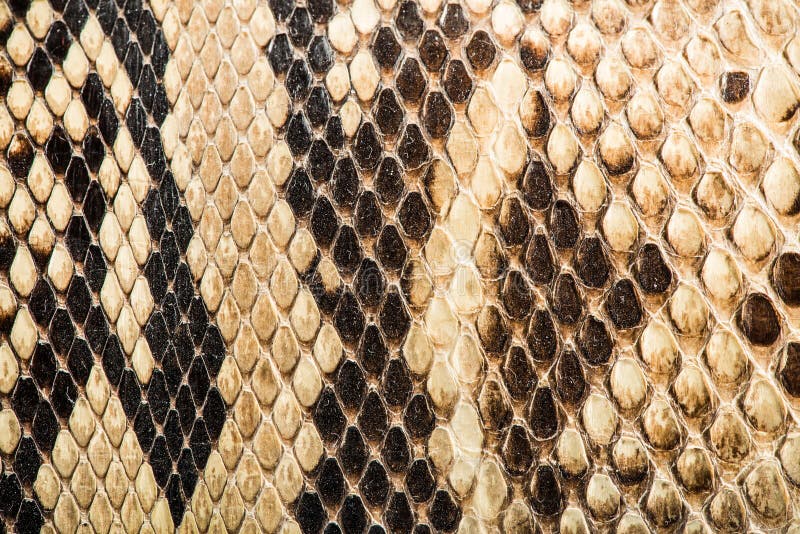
[(404, 266)]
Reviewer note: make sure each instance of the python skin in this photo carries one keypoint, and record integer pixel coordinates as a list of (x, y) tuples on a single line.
[(402, 266)]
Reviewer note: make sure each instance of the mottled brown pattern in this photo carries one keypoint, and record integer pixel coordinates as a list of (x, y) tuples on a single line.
[(399, 266)]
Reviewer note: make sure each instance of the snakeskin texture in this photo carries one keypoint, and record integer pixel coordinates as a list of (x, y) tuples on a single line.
[(402, 266)]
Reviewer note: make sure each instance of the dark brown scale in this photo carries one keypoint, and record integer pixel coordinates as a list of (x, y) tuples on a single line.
[(348, 319), (8, 248), (388, 112), (570, 380), (542, 337), (539, 123), (374, 485), (410, 80), (516, 295), (623, 306), (566, 300), (399, 515), (786, 278), (385, 48), (6, 75), (373, 419), (369, 283), (564, 225), (390, 248), (652, 272), (444, 514), (534, 58), (351, 385), (453, 22), (394, 318), (789, 373), (543, 414), (517, 451), (537, 186), (519, 373), (345, 184), (389, 184), (40, 69), (591, 263), (413, 149), (529, 6), (414, 216), (437, 115), (419, 418), (481, 50), (367, 148), (594, 341), (433, 50), (328, 416), (19, 156), (320, 161), (324, 222), (494, 407), (408, 20), (353, 516), (327, 297), (734, 86), (330, 482), (420, 482), (539, 260), (397, 384), (368, 215), (457, 81), (347, 252), (545, 491), (513, 221), (492, 329), (396, 451), (759, 321), (372, 352)]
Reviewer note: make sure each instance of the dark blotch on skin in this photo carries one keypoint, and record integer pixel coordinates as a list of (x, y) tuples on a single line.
[(734, 86)]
